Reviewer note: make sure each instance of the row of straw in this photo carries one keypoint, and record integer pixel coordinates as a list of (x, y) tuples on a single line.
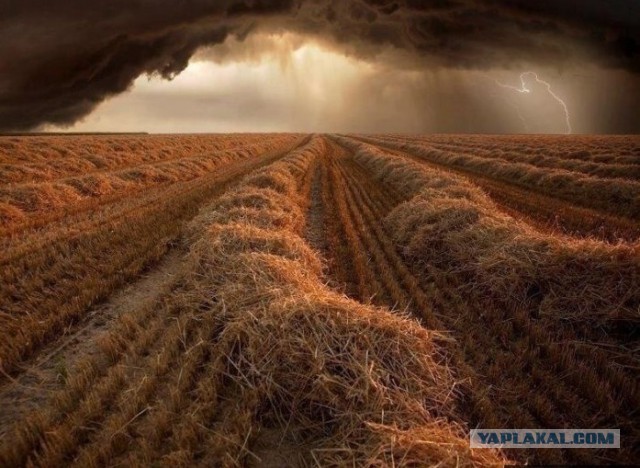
[(450, 223), (344, 383)]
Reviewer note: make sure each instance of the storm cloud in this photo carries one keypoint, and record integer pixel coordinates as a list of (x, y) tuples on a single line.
[(59, 60)]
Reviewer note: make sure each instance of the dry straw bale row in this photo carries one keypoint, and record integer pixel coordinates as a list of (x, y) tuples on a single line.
[(19, 201), (338, 383), (502, 342), (46, 157), (40, 159), (350, 383), (52, 275), (550, 213), (544, 160), (451, 224), (607, 149), (621, 197)]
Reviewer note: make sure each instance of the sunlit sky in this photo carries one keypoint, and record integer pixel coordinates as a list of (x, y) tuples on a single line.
[(287, 83)]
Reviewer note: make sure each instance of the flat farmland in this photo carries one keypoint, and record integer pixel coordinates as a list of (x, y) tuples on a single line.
[(331, 300)]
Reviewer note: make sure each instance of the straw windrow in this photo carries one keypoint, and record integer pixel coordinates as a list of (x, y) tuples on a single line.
[(350, 383), (449, 223)]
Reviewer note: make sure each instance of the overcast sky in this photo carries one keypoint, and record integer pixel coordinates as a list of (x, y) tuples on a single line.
[(320, 66)]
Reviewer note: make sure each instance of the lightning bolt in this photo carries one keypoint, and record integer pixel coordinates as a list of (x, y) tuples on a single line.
[(523, 89)]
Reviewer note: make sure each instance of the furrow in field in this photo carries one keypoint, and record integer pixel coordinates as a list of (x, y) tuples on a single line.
[(400, 285), (48, 436), (150, 390), (64, 357), (405, 290), (369, 288), (339, 253), (316, 217)]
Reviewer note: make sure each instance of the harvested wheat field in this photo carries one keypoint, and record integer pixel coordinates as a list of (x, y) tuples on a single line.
[(315, 300)]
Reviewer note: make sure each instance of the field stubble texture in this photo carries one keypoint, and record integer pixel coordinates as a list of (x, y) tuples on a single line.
[(318, 300)]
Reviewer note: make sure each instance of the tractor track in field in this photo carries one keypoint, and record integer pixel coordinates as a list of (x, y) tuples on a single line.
[(36, 379), (47, 372), (315, 232), (545, 212)]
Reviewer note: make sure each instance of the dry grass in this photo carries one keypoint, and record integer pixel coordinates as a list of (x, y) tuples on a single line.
[(250, 343), (451, 224), (46, 158), (529, 309), (334, 302), (575, 149), (60, 192), (53, 273), (347, 379), (610, 157), (616, 196)]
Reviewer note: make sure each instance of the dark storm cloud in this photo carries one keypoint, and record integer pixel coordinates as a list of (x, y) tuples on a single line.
[(59, 59)]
